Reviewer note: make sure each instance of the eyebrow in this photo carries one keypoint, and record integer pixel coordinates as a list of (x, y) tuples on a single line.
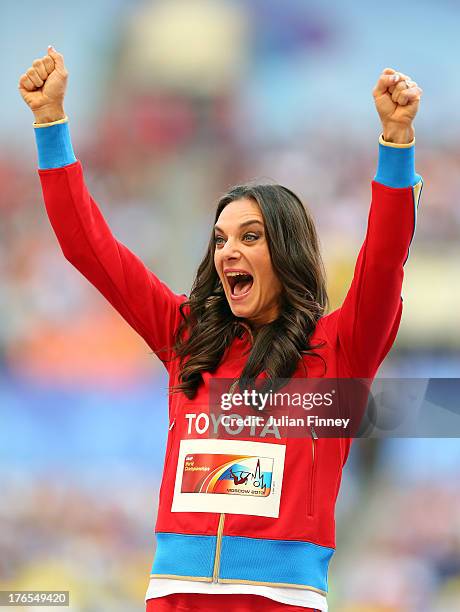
[(250, 222)]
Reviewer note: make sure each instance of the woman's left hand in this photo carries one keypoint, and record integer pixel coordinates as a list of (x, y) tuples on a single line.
[(397, 99)]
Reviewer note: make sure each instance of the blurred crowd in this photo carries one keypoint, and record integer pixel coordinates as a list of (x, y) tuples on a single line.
[(87, 536), (403, 552)]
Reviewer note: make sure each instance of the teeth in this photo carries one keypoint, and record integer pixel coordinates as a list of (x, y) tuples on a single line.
[(237, 274)]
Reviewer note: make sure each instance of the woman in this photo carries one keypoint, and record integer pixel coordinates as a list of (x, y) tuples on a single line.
[(257, 309)]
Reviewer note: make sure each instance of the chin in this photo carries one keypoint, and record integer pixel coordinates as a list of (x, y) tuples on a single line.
[(241, 311)]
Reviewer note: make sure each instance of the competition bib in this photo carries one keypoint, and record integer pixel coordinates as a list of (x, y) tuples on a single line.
[(229, 476)]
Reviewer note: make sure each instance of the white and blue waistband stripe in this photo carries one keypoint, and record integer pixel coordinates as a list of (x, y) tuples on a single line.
[(184, 555), (396, 167), (289, 562), (54, 146)]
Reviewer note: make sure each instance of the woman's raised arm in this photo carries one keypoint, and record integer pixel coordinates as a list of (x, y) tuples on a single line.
[(370, 315), (86, 240)]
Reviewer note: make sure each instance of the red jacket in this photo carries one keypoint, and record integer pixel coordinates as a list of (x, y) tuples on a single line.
[(294, 548)]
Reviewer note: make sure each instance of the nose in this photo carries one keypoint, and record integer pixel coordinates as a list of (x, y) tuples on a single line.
[(230, 250)]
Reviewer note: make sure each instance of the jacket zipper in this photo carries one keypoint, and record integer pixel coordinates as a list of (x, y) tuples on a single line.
[(220, 526), (314, 437), (220, 529)]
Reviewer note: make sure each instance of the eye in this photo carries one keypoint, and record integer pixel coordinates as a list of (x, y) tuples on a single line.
[(250, 237), (219, 241)]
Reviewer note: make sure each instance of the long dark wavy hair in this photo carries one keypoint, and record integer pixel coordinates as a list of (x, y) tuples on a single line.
[(208, 325)]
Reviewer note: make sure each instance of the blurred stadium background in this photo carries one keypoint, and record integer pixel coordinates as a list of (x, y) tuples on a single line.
[(170, 103)]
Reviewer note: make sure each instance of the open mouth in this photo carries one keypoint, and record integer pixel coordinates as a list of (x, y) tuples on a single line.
[(240, 283)]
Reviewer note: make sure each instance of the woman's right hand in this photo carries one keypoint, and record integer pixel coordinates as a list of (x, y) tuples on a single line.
[(43, 87)]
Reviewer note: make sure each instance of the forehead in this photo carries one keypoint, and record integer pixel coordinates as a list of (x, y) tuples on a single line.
[(238, 212)]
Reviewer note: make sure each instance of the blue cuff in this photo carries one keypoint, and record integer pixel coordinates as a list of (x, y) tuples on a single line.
[(396, 167), (54, 146)]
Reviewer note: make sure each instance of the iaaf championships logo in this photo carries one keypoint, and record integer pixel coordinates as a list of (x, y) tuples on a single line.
[(225, 473)]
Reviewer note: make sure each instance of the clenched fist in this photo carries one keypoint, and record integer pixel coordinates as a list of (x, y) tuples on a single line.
[(397, 98), (43, 87)]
